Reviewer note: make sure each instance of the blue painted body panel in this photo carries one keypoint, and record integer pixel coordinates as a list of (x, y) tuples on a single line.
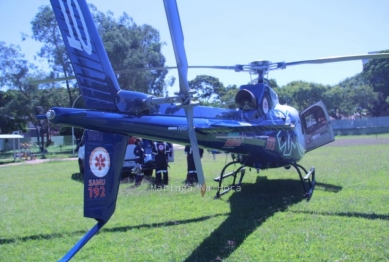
[(103, 152), (275, 142)]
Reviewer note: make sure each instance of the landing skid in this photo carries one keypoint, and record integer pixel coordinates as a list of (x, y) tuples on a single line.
[(223, 189), (308, 181)]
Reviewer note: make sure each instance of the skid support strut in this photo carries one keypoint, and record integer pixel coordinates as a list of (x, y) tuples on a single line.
[(223, 189), (308, 181)]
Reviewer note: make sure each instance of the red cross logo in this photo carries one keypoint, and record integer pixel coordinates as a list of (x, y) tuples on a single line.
[(99, 162)]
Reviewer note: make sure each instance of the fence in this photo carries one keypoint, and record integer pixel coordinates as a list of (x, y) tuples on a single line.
[(7, 144), (361, 126)]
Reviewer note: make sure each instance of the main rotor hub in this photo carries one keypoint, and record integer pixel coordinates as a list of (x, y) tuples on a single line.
[(260, 68), (261, 63)]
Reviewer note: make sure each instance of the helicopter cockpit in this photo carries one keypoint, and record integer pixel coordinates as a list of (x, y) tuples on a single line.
[(255, 101), (246, 100)]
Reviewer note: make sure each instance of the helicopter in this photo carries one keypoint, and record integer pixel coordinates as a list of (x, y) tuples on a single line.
[(261, 133)]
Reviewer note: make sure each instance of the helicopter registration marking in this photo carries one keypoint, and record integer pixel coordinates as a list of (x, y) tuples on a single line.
[(179, 128), (232, 139), (232, 142)]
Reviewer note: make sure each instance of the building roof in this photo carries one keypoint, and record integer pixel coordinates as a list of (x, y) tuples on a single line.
[(6, 136)]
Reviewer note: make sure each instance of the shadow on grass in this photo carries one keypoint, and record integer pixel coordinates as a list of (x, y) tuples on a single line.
[(327, 187), (5, 162), (350, 214), (250, 207), (163, 224), (38, 237), (109, 230), (78, 177)]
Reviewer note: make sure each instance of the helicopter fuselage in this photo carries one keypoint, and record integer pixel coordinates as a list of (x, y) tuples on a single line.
[(228, 130)]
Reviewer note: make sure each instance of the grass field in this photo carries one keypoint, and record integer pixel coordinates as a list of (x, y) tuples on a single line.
[(347, 219)]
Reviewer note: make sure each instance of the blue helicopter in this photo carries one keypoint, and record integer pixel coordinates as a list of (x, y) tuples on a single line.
[(261, 133)]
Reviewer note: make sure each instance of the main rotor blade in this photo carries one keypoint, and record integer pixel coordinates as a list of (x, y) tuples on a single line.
[(237, 68), (177, 36), (51, 80), (123, 71), (134, 70), (195, 149), (339, 59)]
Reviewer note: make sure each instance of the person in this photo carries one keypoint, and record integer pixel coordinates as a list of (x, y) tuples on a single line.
[(139, 153), (161, 152), (191, 176)]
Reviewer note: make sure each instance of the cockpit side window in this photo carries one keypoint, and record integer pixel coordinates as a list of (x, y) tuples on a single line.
[(314, 119), (246, 100), (273, 97)]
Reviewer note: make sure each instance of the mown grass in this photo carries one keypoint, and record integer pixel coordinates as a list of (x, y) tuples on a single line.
[(347, 219)]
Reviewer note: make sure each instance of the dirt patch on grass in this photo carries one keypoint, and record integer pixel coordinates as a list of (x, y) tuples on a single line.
[(359, 141)]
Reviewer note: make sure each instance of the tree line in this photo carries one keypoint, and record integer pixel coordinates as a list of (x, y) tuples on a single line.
[(131, 46)]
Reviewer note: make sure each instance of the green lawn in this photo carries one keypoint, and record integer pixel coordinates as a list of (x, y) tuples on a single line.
[(347, 219)]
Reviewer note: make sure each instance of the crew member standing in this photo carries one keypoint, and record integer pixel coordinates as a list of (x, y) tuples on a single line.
[(139, 153), (161, 152), (191, 176)]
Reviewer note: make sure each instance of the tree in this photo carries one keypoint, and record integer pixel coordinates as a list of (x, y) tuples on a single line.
[(227, 96), (301, 94), (45, 30), (376, 74), (10, 120), (208, 88), (364, 98), (273, 83), (338, 103), (285, 95), (127, 45), (13, 66), (13, 69), (25, 101), (130, 46)]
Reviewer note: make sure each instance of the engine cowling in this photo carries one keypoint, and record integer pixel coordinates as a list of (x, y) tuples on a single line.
[(134, 102)]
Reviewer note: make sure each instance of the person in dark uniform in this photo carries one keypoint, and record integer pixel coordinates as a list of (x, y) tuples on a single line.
[(161, 152), (191, 176), (139, 153)]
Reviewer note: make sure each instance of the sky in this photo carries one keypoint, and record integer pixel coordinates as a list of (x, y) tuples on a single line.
[(230, 32)]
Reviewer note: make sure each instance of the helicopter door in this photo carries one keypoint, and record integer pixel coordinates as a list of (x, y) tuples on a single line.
[(316, 126)]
